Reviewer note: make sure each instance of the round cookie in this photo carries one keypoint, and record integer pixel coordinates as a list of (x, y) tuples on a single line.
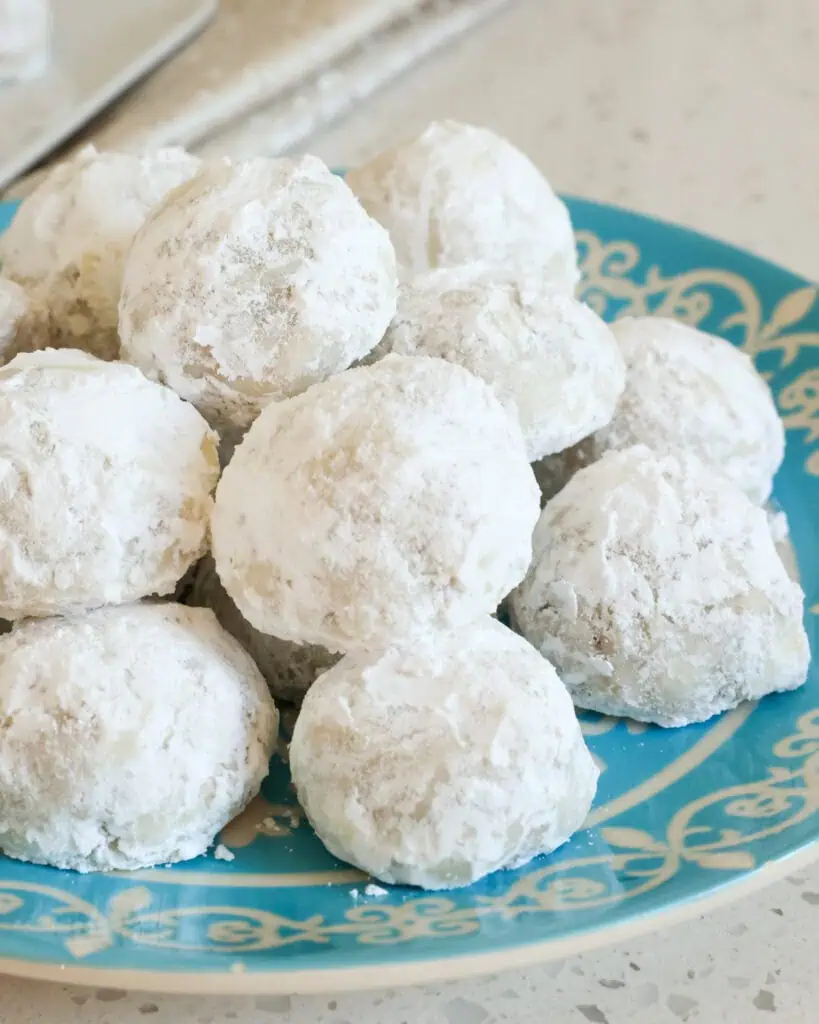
[(549, 358), (131, 736), (436, 765), (385, 503), (289, 669), (105, 484), (13, 307), (685, 388), (66, 245), (657, 592), (253, 282), (459, 194)]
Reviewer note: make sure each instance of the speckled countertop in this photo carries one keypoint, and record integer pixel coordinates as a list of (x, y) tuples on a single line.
[(705, 113)]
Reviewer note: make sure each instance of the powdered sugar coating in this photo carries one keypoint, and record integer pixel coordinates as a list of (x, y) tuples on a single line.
[(459, 194), (388, 502), (130, 737), (66, 245), (549, 358), (685, 388), (253, 282), (289, 669), (105, 484), (13, 307), (657, 592), (25, 38), (435, 766)]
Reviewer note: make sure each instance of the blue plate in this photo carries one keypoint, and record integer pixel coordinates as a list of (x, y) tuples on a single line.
[(682, 819)]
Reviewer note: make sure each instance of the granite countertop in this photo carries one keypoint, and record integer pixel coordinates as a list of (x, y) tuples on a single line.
[(703, 113)]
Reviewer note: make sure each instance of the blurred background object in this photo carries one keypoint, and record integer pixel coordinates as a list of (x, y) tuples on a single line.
[(98, 49), (25, 39), (282, 69)]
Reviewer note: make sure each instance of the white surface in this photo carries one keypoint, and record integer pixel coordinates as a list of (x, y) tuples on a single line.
[(704, 113), (100, 47)]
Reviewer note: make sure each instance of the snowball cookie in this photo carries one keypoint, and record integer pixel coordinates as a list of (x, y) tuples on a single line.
[(390, 501), (13, 307), (66, 245), (436, 765), (252, 283), (25, 39), (290, 669), (550, 359), (458, 194), (657, 592), (131, 736), (105, 484), (691, 389)]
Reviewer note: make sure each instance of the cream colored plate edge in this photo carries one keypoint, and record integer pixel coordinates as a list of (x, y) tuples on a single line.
[(99, 50)]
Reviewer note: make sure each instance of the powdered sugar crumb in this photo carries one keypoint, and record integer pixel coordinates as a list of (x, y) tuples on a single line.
[(375, 890), (778, 525)]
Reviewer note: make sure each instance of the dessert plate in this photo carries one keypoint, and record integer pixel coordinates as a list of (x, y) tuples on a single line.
[(683, 819)]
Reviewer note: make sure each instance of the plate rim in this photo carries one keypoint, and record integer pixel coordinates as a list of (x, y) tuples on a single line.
[(407, 973), (686, 229)]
